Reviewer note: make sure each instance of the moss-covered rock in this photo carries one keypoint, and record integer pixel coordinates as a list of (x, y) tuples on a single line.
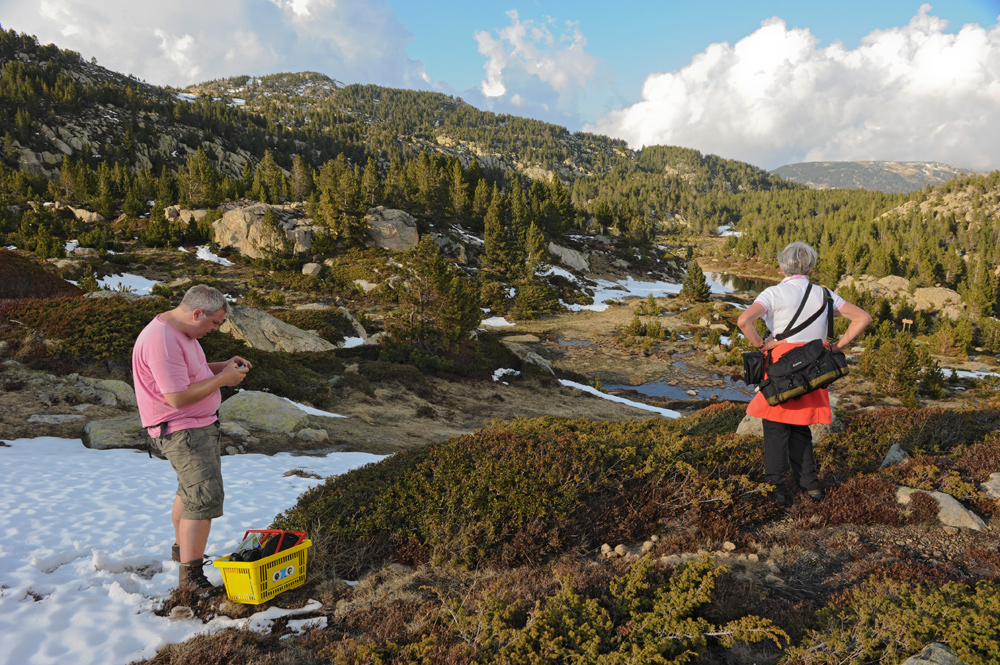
[(263, 411)]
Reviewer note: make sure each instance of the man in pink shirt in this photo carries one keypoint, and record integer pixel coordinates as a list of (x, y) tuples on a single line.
[(178, 394)]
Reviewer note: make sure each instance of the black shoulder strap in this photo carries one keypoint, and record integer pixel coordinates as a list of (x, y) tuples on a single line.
[(829, 316), (827, 305)]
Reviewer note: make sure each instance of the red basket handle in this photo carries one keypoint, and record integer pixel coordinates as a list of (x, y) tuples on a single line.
[(273, 532)]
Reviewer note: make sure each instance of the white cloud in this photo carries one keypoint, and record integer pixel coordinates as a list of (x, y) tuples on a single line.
[(187, 41), (527, 60), (910, 93)]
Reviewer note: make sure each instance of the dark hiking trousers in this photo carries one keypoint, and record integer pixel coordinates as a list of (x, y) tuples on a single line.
[(789, 444)]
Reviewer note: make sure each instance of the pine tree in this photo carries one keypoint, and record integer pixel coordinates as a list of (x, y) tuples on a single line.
[(302, 179), (459, 191), (370, 185), (480, 204), (537, 248), (438, 308), (695, 286)]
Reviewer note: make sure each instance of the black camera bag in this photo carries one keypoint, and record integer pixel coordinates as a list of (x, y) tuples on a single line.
[(805, 368)]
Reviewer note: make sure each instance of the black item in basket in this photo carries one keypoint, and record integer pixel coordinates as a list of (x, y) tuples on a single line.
[(753, 368), (802, 370), (278, 541)]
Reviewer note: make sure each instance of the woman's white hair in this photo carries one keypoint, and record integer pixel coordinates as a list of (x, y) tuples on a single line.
[(797, 258), (206, 298)]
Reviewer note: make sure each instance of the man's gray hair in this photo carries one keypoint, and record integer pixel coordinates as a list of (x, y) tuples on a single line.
[(206, 298), (797, 258)]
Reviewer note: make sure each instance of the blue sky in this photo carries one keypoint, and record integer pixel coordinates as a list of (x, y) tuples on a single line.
[(766, 82)]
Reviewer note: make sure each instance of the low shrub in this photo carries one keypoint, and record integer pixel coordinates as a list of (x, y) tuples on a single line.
[(528, 490), (868, 501), (330, 324), (298, 376), (89, 329), (643, 615), (21, 277), (887, 622)]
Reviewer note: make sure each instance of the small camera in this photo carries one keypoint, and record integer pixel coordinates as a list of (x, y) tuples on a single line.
[(240, 366)]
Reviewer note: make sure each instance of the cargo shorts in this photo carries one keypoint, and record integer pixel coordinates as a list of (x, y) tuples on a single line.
[(196, 457)]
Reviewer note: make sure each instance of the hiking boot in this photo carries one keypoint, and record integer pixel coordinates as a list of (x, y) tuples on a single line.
[(815, 495), (192, 577), (779, 498), (175, 552)]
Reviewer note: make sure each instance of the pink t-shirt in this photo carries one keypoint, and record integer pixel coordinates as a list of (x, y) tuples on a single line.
[(165, 360)]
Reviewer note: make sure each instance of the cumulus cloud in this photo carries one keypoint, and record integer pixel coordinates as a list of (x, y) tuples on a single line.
[(910, 93), (543, 62), (187, 41)]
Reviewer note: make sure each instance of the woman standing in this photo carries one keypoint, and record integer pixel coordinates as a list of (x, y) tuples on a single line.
[(787, 438)]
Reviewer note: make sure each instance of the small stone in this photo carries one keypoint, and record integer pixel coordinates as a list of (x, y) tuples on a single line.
[(648, 545), (655, 538), (771, 578), (55, 419), (729, 546), (621, 550), (692, 393), (773, 567), (232, 450), (181, 613), (753, 557), (605, 548), (312, 435), (672, 560), (951, 530), (937, 554)]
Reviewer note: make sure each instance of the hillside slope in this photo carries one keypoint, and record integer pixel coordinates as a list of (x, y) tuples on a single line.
[(889, 177)]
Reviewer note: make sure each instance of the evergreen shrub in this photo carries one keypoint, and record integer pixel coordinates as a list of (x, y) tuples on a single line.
[(330, 324), (887, 622), (89, 329), (21, 277), (527, 490)]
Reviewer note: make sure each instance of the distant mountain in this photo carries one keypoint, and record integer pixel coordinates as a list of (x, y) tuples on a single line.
[(890, 177)]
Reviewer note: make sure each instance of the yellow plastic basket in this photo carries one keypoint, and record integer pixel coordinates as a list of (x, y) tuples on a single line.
[(256, 582)]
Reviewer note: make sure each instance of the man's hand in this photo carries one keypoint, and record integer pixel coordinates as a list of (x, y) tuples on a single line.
[(234, 373), (240, 361)]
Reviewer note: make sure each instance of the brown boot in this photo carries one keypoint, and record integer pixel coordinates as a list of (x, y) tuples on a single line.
[(175, 552), (192, 576)]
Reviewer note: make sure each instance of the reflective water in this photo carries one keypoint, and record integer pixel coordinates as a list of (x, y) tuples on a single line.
[(731, 389), (738, 283), (573, 342)]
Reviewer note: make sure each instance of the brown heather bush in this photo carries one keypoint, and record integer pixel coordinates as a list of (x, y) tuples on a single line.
[(868, 501), (23, 278), (228, 647), (867, 437)]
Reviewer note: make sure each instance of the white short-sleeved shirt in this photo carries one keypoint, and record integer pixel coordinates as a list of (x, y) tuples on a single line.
[(781, 300)]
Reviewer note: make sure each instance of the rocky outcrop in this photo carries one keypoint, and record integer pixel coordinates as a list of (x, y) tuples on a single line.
[(243, 228), (992, 486), (570, 257), (896, 455), (121, 432), (935, 653), (950, 511), (177, 213), (87, 215), (391, 229), (263, 411), (934, 299), (262, 331)]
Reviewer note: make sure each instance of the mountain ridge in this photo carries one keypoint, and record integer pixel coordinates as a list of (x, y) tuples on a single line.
[(878, 175)]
